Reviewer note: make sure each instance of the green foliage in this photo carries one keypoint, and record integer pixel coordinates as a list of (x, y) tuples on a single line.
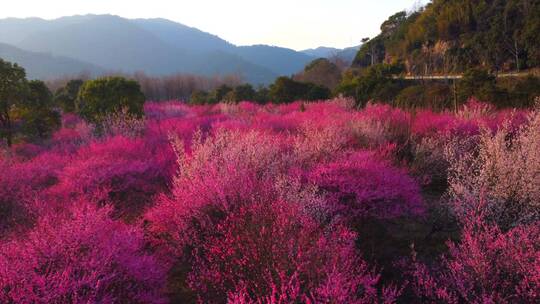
[(431, 95), (285, 90), (243, 92), (378, 83), (453, 36), (13, 89), (103, 96), (26, 108), (37, 111), (373, 83), (477, 83), (393, 31), (321, 72), (262, 95), (65, 97), (220, 93), (411, 97), (224, 93), (517, 92), (199, 98), (370, 53)]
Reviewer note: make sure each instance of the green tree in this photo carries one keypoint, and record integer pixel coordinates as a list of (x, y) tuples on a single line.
[(373, 83), (244, 92), (13, 89), (432, 95), (321, 72), (199, 98), (316, 92), (103, 96), (477, 83), (37, 112), (285, 90), (219, 93), (262, 94), (453, 36), (65, 97)]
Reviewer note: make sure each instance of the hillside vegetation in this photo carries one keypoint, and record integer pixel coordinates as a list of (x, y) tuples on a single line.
[(453, 36)]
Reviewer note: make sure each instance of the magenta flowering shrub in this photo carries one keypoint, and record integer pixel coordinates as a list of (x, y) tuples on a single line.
[(220, 173), (80, 257), (131, 171), (486, 266), (361, 185), (23, 184), (291, 203), (273, 253), (26, 150)]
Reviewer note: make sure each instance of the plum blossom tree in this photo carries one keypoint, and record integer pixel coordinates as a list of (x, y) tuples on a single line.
[(487, 266), (80, 257), (360, 185)]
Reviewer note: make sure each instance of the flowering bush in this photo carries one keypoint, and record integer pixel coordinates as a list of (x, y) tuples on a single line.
[(273, 251), (487, 266), (290, 203), (504, 170), (22, 184), (220, 174), (122, 123), (316, 144), (129, 169), (361, 185), (378, 125), (83, 257)]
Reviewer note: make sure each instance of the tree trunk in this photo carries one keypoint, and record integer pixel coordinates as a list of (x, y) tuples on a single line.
[(5, 123), (9, 132), (516, 53)]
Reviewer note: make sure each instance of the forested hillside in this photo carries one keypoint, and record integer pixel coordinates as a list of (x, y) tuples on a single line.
[(451, 36)]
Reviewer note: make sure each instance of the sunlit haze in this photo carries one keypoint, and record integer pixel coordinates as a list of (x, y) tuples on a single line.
[(296, 24)]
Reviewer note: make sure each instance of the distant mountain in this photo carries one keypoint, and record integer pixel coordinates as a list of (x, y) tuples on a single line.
[(155, 46), (321, 52), (43, 66), (182, 36), (346, 54), (109, 41), (281, 61)]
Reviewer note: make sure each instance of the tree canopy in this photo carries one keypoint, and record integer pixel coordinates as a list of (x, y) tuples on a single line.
[(103, 96), (12, 91), (26, 107), (453, 36)]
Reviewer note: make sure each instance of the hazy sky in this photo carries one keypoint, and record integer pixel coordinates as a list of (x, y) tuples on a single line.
[(297, 24)]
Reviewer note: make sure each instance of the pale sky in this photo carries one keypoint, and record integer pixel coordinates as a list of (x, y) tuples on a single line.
[(297, 24)]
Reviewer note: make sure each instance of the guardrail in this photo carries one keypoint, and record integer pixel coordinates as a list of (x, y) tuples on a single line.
[(452, 77)]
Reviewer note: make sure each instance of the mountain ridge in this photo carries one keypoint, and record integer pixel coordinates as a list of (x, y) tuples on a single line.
[(40, 65), (157, 46), (346, 54)]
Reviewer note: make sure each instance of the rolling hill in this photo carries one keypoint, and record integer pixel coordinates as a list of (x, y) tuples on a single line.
[(346, 54), (156, 46), (42, 65)]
